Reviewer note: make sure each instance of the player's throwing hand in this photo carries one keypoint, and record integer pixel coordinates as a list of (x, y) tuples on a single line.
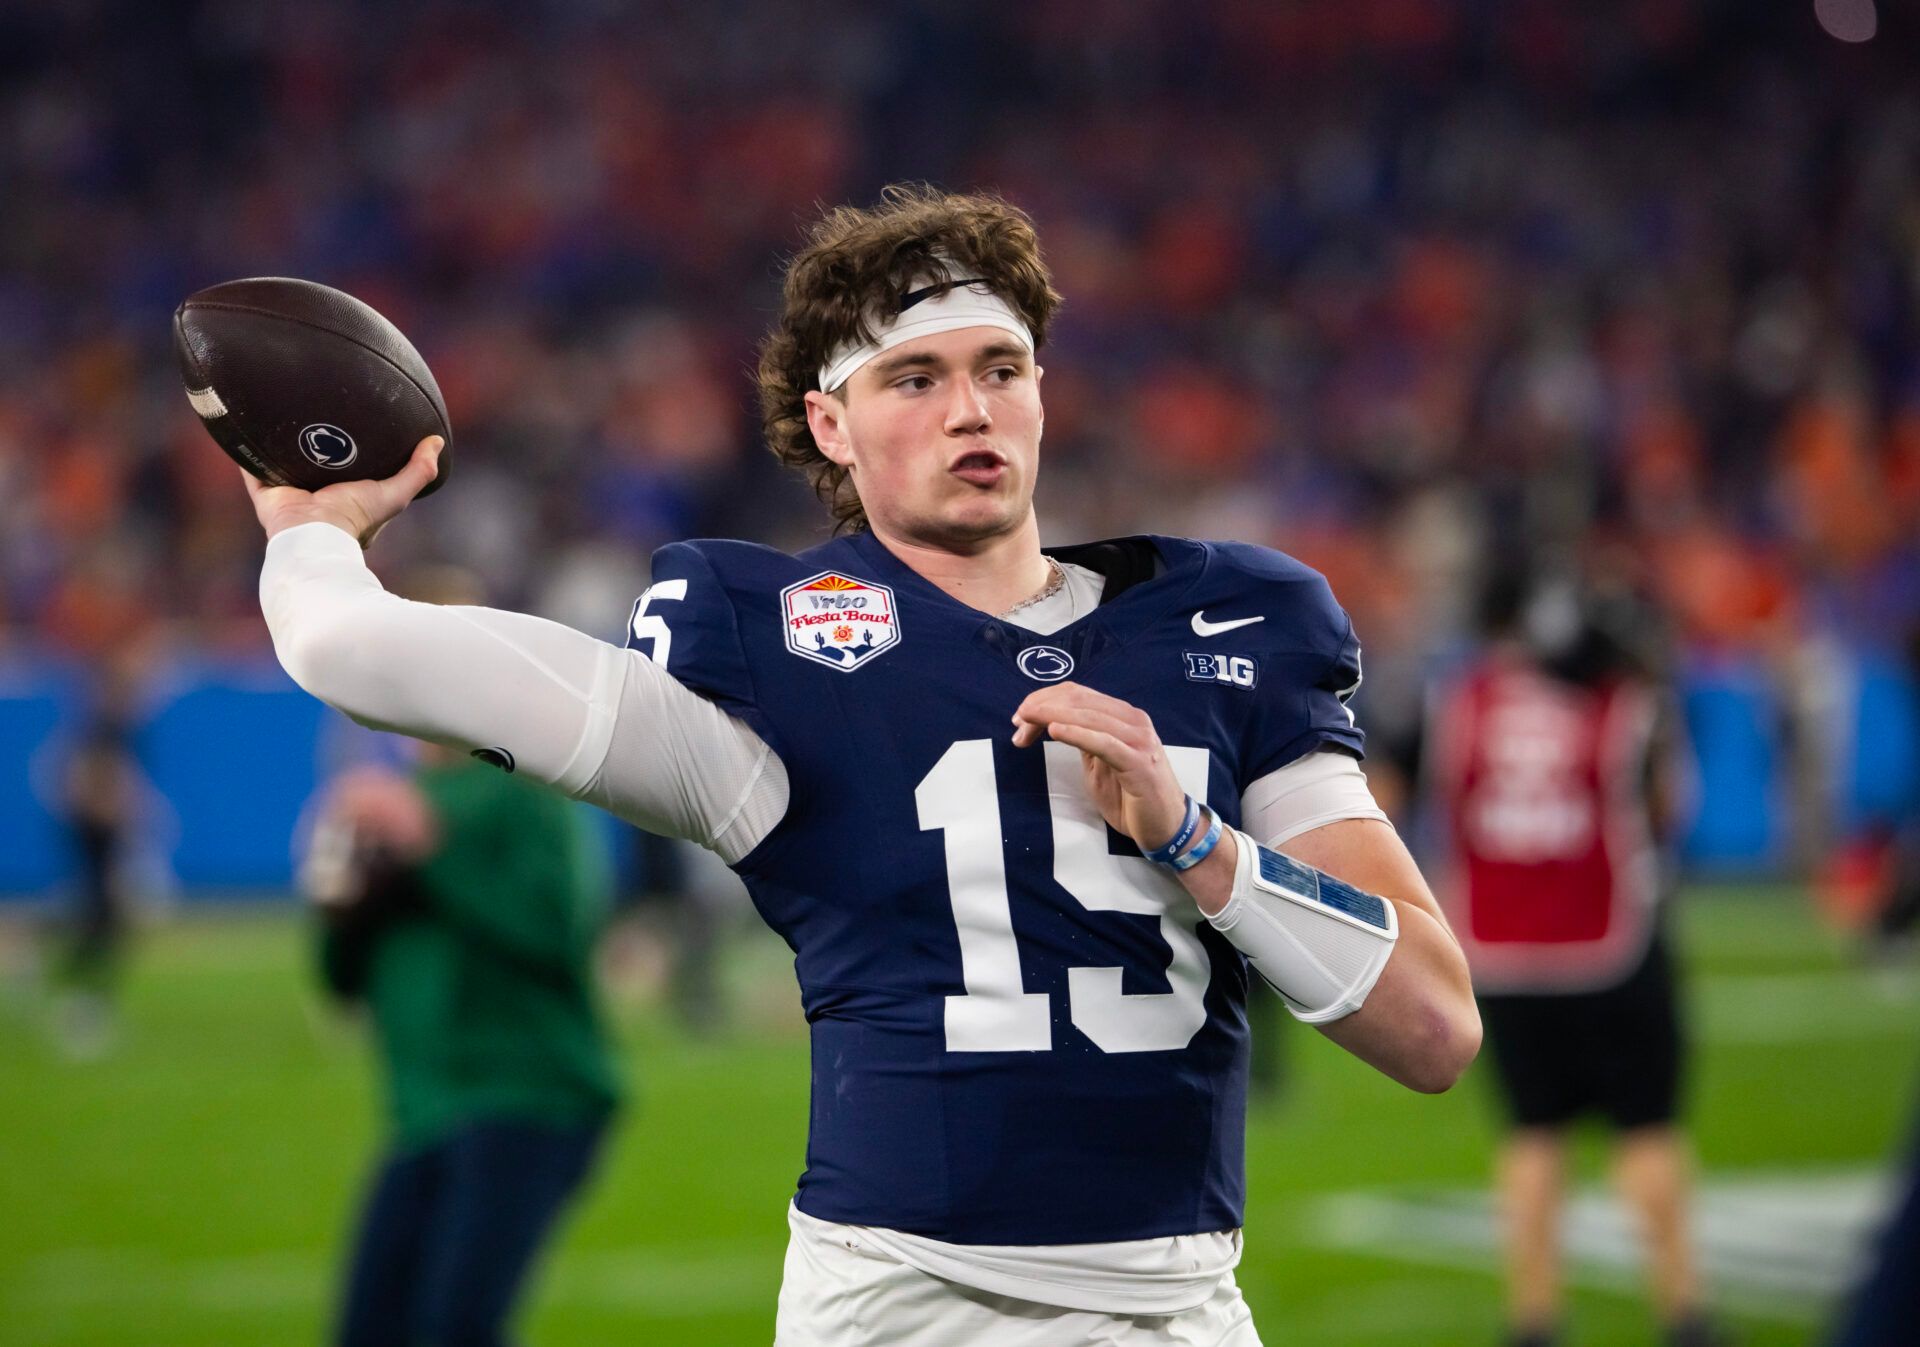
[(1126, 766), (362, 508)]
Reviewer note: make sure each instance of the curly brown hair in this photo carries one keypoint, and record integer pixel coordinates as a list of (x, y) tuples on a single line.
[(855, 265)]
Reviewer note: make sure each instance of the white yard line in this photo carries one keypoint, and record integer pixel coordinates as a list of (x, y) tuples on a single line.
[(1779, 1244), (1805, 1007)]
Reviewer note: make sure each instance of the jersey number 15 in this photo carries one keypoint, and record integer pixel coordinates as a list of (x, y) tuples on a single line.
[(961, 799)]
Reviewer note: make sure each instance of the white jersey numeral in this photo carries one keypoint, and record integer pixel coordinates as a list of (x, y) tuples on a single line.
[(997, 1014), (1103, 882), (960, 797), (651, 627)]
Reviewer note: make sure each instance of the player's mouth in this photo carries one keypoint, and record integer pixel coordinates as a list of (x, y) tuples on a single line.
[(982, 467)]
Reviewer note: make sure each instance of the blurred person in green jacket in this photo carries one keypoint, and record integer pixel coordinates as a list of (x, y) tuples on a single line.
[(461, 906)]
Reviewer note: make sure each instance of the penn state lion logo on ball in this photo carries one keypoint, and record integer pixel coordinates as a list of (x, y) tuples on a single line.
[(838, 621), (328, 446)]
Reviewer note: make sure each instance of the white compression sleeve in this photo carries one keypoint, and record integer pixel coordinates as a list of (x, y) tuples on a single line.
[(1319, 942), (1321, 788), (680, 766), (599, 722)]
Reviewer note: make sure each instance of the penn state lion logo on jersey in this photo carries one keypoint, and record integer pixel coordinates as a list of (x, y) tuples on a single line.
[(839, 621)]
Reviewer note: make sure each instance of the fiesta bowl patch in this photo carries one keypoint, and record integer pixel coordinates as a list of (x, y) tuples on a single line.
[(836, 620)]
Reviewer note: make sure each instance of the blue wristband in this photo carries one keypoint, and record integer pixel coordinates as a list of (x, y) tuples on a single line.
[(1201, 849), (1164, 855)]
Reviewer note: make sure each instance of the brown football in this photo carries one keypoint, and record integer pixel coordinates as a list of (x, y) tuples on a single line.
[(304, 385)]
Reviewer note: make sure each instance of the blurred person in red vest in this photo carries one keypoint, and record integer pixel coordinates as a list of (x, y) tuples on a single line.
[(1553, 758)]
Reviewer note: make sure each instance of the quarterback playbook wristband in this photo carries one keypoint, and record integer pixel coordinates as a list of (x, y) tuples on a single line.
[(1319, 942)]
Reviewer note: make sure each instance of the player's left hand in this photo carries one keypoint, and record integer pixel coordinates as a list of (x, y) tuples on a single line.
[(1126, 765)]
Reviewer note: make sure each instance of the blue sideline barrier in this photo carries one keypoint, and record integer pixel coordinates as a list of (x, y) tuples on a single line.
[(1732, 721), (227, 745)]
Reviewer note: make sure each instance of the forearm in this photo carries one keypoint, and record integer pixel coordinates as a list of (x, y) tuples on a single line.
[(466, 677), (1419, 1025), (1415, 1018)]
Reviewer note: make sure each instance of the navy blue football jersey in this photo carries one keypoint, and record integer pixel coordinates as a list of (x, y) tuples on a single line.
[(1023, 1032)]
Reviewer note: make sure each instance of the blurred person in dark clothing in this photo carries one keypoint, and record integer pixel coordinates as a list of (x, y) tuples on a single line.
[(100, 799), (1553, 757), (461, 906)]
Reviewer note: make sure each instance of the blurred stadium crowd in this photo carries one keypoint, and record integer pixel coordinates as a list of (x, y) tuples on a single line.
[(1412, 289)]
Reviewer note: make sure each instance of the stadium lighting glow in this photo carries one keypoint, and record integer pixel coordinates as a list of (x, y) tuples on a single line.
[(1848, 20)]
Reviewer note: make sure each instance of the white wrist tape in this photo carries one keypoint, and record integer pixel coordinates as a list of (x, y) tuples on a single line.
[(1319, 942)]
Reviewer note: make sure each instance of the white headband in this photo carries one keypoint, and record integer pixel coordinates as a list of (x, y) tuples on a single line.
[(951, 306)]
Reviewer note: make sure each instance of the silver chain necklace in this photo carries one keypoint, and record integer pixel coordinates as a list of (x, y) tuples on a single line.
[(1055, 580)]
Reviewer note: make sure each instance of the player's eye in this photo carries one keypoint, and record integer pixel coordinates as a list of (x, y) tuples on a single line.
[(915, 383), (1003, 374)]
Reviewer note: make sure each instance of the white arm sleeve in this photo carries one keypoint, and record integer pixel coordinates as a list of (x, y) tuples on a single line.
[(598, 722), (1320, 943), (1311, 792)]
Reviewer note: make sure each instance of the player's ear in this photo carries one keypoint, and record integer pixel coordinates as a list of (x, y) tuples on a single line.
[(826, 419)]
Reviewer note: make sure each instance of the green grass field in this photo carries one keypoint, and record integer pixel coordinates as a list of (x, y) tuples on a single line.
[(193, 1186)]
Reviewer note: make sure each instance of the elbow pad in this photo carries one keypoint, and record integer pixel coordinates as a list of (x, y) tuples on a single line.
[(1319, 942)]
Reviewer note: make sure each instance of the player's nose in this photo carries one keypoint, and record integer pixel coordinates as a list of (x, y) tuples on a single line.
[(967, 409)]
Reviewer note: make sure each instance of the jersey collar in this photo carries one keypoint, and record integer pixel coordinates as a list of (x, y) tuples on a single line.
[(1133, 602)]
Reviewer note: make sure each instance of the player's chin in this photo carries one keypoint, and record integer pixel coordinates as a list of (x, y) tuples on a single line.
[(986, 515)]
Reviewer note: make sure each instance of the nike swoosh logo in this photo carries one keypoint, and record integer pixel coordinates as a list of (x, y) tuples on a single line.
[(1202, 627), (913, 297)]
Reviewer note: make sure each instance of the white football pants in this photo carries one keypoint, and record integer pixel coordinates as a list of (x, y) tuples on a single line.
[(844, 1293)]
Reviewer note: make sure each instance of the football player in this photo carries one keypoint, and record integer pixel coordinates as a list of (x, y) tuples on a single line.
[(1027, 817)]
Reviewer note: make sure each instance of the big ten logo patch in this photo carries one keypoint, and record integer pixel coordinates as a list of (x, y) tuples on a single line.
[(1235, 671), (836, 620)]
